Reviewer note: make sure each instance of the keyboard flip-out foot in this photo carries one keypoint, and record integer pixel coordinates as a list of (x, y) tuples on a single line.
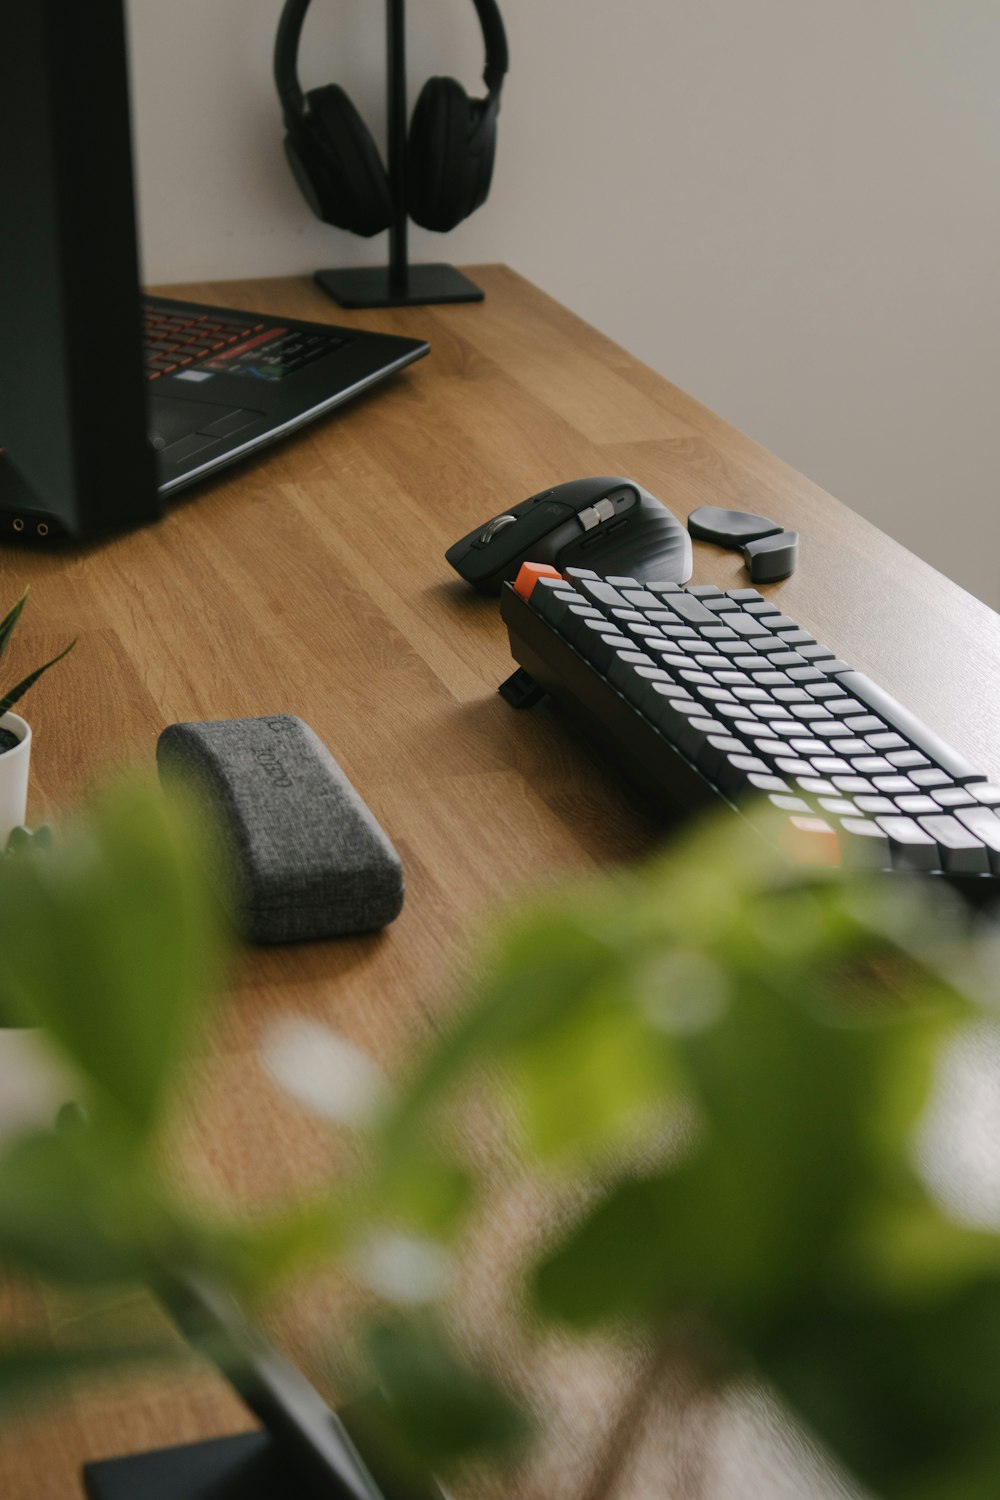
[(521, 690)]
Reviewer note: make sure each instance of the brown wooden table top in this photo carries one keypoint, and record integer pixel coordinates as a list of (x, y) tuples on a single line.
[(313, 581)]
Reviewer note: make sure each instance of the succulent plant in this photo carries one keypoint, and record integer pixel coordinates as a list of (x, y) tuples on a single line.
[(12, 696), (22, 838)]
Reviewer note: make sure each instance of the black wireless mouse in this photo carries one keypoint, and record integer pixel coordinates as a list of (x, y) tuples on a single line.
[(611, 525)]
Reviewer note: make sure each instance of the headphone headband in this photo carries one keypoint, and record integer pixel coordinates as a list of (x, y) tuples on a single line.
[(286, 51)]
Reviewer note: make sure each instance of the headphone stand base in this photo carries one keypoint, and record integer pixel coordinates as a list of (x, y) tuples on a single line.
[(376, 286)]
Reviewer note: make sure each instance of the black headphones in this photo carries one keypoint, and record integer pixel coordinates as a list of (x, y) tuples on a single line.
[(452, 140)]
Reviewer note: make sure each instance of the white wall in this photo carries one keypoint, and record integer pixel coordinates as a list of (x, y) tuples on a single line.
[(790, 207)]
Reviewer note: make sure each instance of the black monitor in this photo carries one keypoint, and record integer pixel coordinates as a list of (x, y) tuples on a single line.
[(111, 400), (72, 405)]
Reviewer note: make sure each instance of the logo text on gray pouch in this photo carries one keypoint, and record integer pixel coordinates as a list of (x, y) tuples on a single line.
[(272, 767)]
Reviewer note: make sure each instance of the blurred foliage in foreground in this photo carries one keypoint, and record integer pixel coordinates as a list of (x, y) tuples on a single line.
[(732, 1057)]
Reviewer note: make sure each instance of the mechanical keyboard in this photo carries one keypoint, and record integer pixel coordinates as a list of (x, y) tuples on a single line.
[(701, 694)]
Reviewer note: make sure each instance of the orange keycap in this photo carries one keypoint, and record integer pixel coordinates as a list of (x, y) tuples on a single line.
[(810, 841), (529, 575)]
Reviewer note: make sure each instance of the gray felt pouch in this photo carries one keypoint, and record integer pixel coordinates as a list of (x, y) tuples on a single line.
[(307, 858)]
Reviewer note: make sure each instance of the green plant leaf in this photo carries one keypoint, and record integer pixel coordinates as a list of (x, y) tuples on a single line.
[(111, 941), (17, 693), (74, 1208), (9, 620), (443, 1410), (29, 1371)]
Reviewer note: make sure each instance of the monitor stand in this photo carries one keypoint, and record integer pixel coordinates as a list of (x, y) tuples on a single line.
[(249, 1466)]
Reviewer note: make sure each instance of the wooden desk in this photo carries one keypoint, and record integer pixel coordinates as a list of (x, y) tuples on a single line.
[(313, 581)]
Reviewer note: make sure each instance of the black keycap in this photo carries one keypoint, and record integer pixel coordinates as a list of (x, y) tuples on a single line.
[(907, 724), (893, 786), (760, 782), (731, 770), (676, 720), (841, 807), (909, 846), (810, 712), (744, 624), (619, 669), (876, 803), (815, 652), (600, 593), (916, 802), (598, 642), (793, 765), (931, 776), (641, 598), (984, 823), (785, 802), (952, 796), (691, 610), (960, 850), (637, 686), (713, 757), (863, 844), (857, 786), (845, 707), (816, 786), (907, 760), (805, 674)]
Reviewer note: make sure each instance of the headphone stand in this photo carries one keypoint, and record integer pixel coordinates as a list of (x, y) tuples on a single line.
[(398, 284)]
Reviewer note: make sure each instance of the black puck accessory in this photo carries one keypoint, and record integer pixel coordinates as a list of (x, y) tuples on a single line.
[(772, 557), (729, 528)]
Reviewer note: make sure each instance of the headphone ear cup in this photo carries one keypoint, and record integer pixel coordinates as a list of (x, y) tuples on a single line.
[(446, 179), (342, 164)]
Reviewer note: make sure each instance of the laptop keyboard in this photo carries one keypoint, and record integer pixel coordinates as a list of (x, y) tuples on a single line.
[(176, 341), (703, 694)]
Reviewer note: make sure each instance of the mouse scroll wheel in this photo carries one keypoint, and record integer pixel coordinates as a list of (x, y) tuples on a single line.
[(593, 515), (497, 524)]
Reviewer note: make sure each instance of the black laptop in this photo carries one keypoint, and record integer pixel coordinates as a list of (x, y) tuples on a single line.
[(221, 383), (109, 401)]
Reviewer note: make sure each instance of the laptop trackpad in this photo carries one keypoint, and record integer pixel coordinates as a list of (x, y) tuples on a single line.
[(171, 420)]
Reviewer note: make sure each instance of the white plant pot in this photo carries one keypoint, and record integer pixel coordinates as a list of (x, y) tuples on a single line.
[(14, 777), (34, 1083)]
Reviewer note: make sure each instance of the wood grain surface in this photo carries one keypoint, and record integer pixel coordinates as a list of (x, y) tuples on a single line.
[(312, 581)]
